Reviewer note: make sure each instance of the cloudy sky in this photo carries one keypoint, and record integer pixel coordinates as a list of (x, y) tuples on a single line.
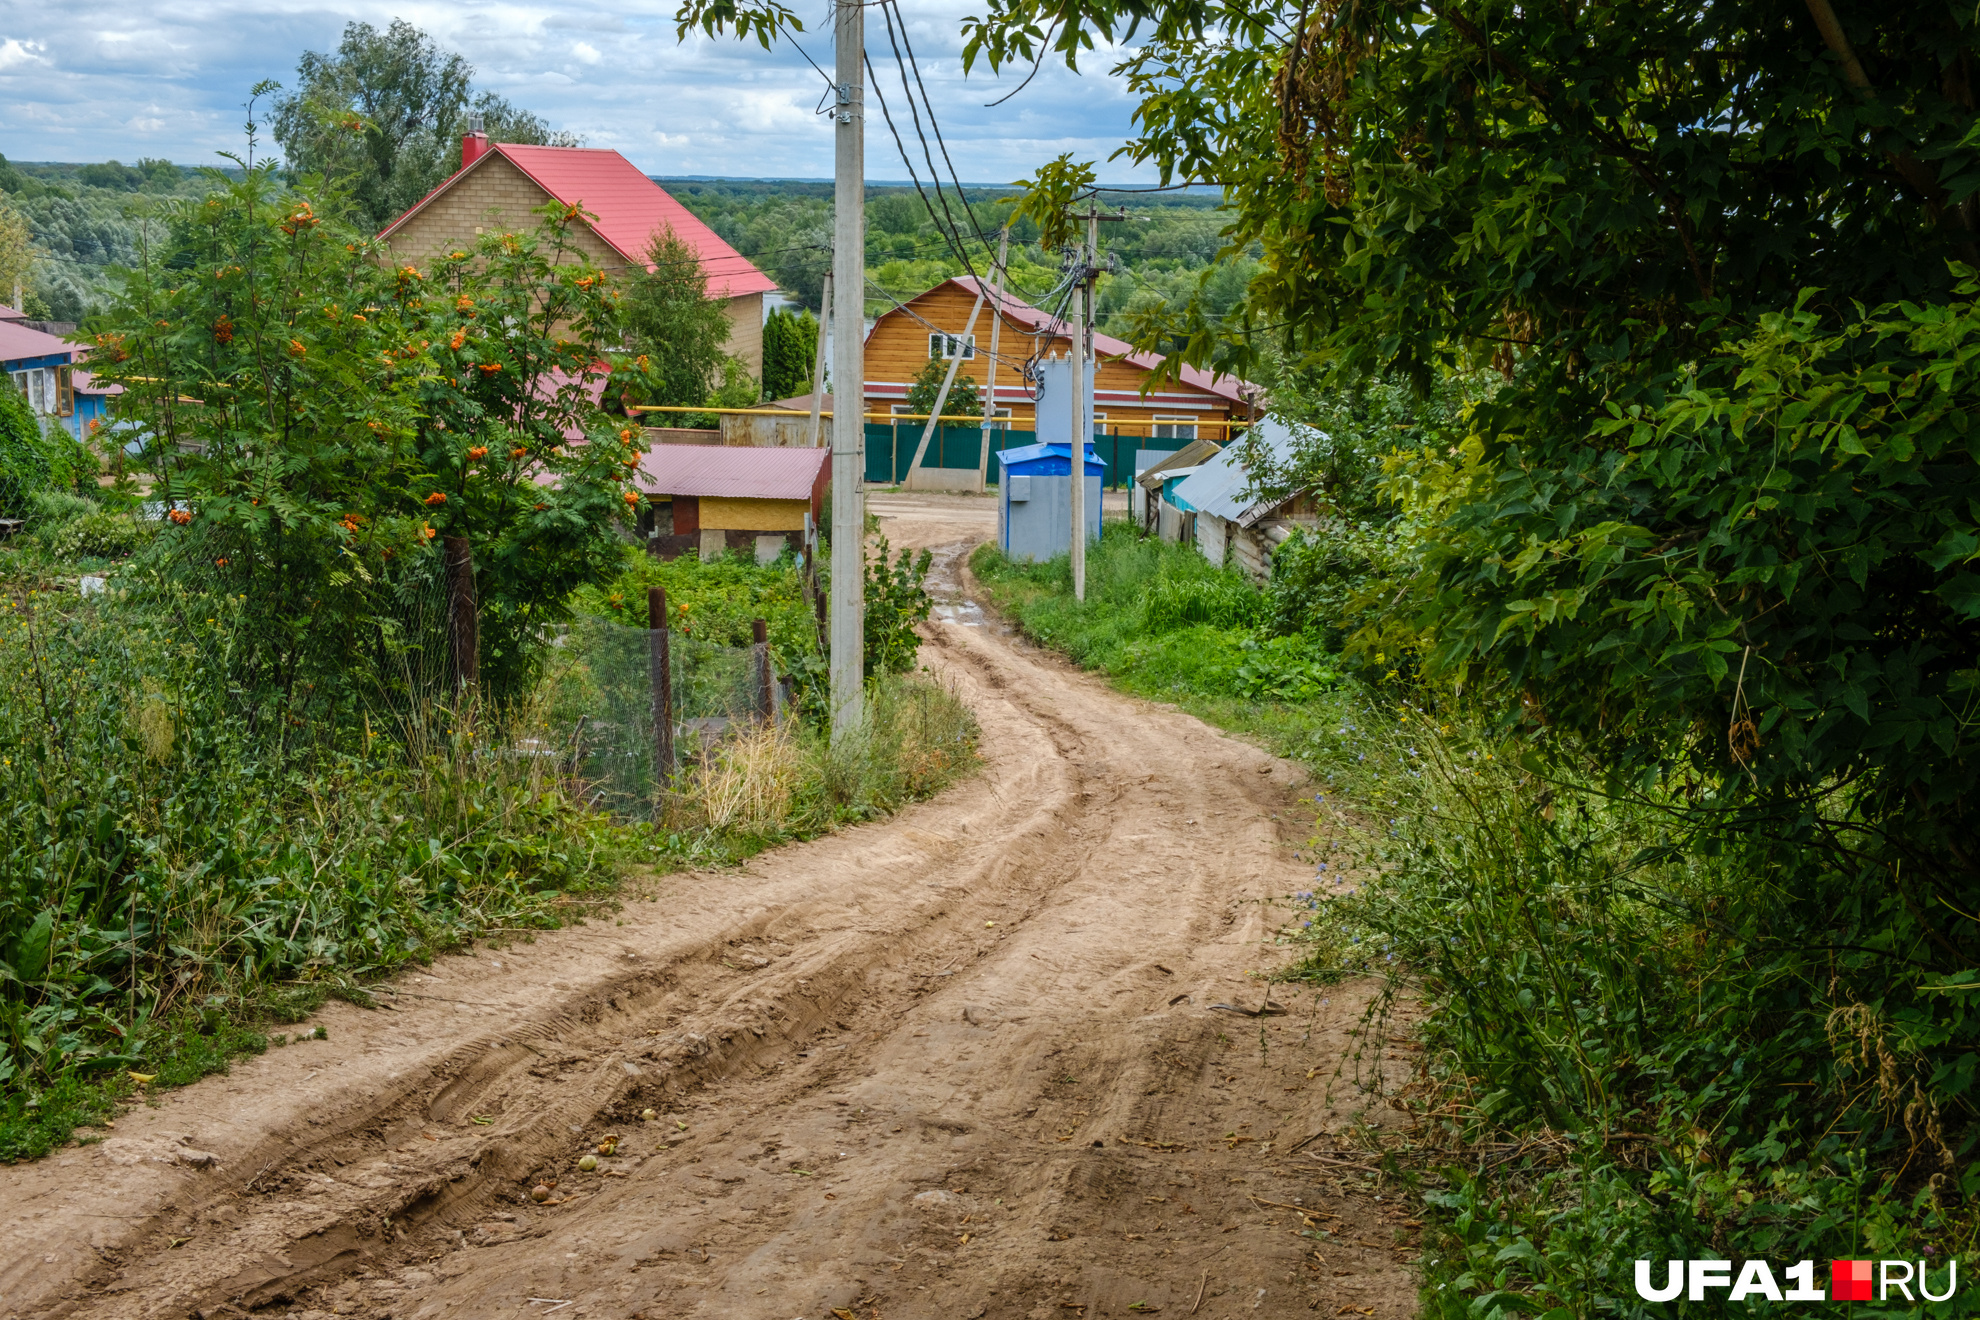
[(90, 80)]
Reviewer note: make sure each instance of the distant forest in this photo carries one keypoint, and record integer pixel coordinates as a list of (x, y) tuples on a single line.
[(86, 220), (1168, 243)]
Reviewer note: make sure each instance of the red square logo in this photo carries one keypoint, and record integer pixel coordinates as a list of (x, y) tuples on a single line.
[(1849, 1281)]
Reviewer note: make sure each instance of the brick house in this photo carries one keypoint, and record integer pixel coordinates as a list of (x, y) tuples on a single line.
[(1199, 406), (500, 183)]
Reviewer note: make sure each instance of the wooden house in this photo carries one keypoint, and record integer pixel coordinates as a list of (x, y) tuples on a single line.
[(500, 183), (47, 370), (711, 499), (933, 326)]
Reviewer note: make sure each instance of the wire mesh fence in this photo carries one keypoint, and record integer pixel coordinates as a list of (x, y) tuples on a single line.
[(626, 708), (612, 713)]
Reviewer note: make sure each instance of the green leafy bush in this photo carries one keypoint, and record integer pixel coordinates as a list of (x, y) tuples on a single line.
[(1708, 1045), (354, 409), (70, 527), (896, 601), (128, 752)]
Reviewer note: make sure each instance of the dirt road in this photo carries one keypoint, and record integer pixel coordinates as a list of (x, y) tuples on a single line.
[(963, 1062)]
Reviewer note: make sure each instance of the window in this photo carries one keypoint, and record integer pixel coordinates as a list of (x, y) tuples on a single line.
[(1100, 423), (949, 346), (65, 391), (1000, 419), (1175, 428)]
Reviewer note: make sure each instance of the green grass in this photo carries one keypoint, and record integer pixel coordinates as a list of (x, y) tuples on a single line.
[(1161, 622)]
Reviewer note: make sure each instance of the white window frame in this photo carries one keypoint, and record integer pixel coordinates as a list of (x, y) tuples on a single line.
[(946, 346), (1173, 428), (1000, 419), (1100, 424)]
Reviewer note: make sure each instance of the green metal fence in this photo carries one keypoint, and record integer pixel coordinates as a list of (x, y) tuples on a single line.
[(890, 449)]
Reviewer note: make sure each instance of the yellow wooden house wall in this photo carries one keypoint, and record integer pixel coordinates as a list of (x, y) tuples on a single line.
[(496, 195), (897, 350)]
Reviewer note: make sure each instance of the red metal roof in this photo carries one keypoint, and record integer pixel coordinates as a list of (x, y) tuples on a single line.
[(630, 208), (733, 471), (1223, 386), (18, 342)]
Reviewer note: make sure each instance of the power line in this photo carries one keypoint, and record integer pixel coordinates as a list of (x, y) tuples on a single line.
[(874, 80), (936, 127)]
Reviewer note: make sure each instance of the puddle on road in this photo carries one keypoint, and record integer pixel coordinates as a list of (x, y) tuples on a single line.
[(969, 614)]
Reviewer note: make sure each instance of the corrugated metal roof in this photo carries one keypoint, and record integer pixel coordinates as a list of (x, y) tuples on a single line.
[(732, 471), (1221, 487), (630, 208), (18, 342), (1189, 456)]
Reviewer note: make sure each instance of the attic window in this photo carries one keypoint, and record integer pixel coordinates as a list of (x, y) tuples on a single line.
[(949, 346)]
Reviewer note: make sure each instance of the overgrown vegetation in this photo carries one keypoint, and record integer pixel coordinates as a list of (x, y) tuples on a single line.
[(1699, 560), (1162, 622), (1660, 1024), (248, 761)]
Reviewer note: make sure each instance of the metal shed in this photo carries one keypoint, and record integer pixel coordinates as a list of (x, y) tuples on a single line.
[(1137, 496), (1034, 500), (712, 499)]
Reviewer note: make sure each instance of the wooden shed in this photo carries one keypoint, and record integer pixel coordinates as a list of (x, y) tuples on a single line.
[(711, 499), (1228, 522)]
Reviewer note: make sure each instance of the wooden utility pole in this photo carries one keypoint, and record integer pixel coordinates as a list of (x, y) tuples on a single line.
[(849, 373), (660, 672), (818, 360), (765, 674), (463, 615), (990, 373)]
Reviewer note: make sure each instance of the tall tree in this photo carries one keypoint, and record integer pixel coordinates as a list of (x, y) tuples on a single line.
[(385, 114), (1717, 520), (790, 344), (675, 332), (16, 250)]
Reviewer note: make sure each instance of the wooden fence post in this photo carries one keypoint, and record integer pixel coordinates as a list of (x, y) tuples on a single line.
[(660, 671), (463, 614), (766, 678)]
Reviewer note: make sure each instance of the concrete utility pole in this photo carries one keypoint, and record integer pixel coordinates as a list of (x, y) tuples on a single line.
[(848, 624), (1082, 364), (990, 376), (1082, 424)]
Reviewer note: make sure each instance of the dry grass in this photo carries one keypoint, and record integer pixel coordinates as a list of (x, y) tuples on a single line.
[(748, 783)]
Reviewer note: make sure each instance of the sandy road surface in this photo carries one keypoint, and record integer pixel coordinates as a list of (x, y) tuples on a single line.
[(958, 1063)]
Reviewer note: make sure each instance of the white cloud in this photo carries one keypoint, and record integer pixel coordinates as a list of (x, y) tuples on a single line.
[(80, 81), (15, 53)]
